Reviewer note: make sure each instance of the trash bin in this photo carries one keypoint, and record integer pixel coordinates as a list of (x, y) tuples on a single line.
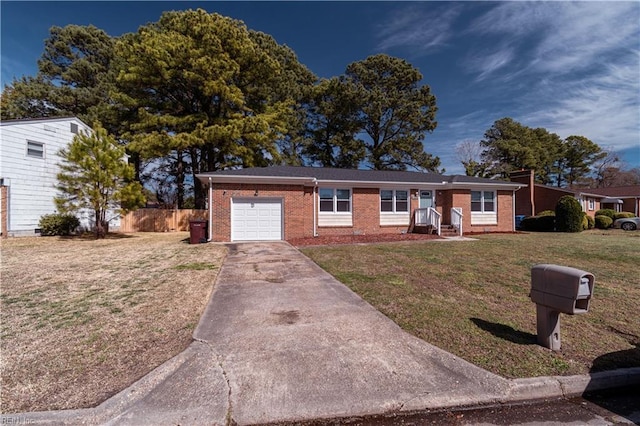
[(198, 231), (519, 219)]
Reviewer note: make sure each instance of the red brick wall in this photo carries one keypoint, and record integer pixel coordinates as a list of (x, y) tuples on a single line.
[(365, 207), (299, 218), (546, 198), (462, 198), (297, 207)]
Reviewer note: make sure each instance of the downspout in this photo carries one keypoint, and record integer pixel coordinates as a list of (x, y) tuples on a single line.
[(315, 209), (513, 210), (210, 210)]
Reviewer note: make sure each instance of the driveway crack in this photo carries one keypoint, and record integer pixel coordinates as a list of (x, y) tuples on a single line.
[(229, 418), (219, 358)]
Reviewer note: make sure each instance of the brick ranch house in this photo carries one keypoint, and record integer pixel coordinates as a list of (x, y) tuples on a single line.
[(286, 202)]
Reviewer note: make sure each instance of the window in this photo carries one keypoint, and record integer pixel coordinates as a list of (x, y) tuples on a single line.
[(335, 200), (394, 201), (483, 201), (592, 204), (35, 149)]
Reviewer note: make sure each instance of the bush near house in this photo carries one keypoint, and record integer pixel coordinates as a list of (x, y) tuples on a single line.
[(58, 224), (539, 223), (603, 222), (606, 212), (568, 214), (622, 215), (591, 222)]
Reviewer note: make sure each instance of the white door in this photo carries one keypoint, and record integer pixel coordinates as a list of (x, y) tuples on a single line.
[(256, 219)]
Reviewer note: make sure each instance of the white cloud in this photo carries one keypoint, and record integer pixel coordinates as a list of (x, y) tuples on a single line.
[(487, 63), (418, 28), (562, 37), (605, 107)]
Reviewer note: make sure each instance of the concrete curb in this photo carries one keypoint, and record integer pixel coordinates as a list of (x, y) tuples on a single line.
[(547, 387)]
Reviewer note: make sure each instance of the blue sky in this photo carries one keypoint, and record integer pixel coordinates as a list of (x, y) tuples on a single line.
[(572, 68)]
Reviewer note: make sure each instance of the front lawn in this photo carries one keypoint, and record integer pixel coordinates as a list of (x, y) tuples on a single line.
[(471, 298), (83, 319)]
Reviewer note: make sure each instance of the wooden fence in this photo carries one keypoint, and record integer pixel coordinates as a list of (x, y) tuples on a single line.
[(160, 220)]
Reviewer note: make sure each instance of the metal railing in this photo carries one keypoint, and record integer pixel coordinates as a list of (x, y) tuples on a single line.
[(456, 219), (428, 217)]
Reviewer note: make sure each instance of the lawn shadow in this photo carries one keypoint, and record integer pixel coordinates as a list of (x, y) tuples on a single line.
[(90, 236), (506, 332)]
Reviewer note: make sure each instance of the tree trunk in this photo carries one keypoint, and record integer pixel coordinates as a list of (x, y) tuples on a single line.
[(180, 178), (100, 228), (198, 188)]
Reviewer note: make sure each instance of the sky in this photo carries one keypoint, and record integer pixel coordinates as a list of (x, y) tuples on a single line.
[(570, 67)]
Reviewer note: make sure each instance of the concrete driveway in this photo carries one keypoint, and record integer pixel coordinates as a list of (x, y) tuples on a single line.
[(294, 343)]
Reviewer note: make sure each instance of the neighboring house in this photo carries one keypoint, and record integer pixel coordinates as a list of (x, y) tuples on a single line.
[(620, 198), (28, 169), (285, 202), (536, 198)]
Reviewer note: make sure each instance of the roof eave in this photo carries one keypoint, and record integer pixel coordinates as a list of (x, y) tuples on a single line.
[(502, 185), (206, 178)]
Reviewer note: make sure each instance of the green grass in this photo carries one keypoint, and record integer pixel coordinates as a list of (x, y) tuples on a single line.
[(472, 298)]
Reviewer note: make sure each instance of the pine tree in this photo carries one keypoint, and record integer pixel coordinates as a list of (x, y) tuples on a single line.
[(95, 176)]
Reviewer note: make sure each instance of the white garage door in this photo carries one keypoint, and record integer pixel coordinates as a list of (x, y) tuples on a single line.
[(256, 219)]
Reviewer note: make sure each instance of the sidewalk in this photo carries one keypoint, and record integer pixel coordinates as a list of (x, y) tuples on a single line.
[(282, 340)]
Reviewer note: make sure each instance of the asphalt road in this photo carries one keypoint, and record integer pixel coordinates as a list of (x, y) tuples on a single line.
[(620, 407)]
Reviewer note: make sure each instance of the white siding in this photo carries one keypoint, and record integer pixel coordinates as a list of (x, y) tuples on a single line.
[(31, 180), (394, 219), (335, 219), (490, 218)]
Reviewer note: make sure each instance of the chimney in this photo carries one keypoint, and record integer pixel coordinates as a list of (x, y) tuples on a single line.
[(525, 197)]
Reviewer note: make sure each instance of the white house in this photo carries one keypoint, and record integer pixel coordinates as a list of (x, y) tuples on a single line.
[(28, 169)]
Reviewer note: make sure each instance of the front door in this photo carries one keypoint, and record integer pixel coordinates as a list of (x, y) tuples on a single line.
[(426, 199)]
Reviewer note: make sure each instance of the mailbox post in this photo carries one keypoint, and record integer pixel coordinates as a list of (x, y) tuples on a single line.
[(558, 289)]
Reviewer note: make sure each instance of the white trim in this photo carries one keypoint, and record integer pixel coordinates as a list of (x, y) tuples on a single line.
[(309, 181), (335, 201), (394, 201)]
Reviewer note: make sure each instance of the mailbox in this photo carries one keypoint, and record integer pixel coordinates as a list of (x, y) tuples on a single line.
[(558, 289), (567, 290)]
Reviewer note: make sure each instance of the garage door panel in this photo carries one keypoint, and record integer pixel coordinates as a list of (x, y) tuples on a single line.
[(253, 219)]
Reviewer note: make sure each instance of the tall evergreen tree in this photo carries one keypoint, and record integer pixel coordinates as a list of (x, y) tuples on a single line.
[(579, 154), (95, 176), (395, 112), (333, 123), (203, 85), (510, 146), (75, 77)]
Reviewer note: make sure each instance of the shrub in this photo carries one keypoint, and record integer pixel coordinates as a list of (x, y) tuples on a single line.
[(603, 222), (585, 222), (591, 222), (622, 215), (58, 224), (606, 212), (538, 223), (546, 213), (568, 215)]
